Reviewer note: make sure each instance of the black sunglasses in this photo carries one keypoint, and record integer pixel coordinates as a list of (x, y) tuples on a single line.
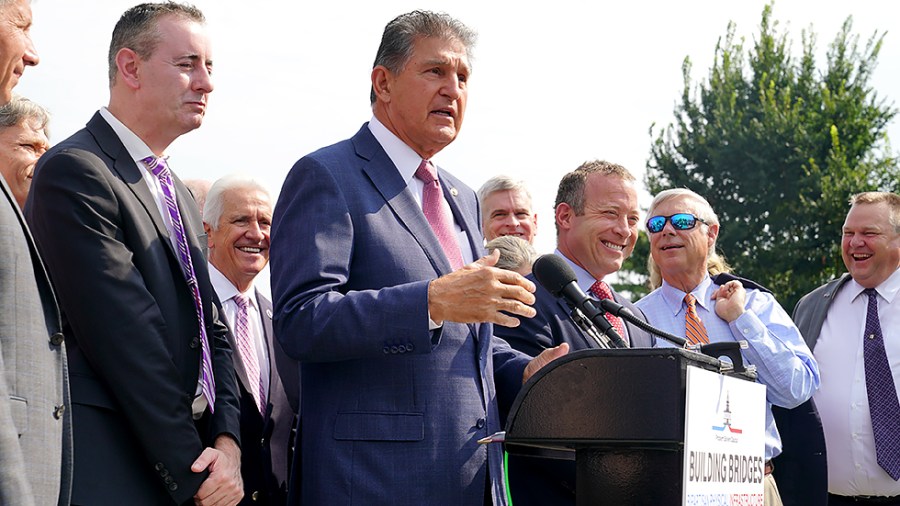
[(680, 221)]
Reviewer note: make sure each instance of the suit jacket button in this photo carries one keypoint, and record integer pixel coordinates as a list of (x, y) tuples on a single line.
[(194, 343), (164, 472), (56, 339), (168, 480), (394, 349), (173, 486), (386, 350), (58, 411), (255, 496), (409, 347), (480, 423), (159, 466)]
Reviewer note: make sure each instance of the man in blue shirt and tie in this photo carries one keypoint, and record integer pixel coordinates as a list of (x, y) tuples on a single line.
[(683, 229)]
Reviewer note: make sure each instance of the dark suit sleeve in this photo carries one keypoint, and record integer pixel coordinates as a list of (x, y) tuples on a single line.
[(78, 220), (312, 255)]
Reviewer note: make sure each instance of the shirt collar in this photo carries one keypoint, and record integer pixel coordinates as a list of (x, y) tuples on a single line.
[(405, 159), (137, 148), (888, 288), (582, 277), (224, 288), (674, 297)]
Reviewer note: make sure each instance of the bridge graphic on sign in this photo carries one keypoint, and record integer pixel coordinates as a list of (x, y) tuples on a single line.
[(726, 418)]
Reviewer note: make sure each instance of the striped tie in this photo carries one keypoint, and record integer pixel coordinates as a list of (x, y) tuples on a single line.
[(158, 168), (247, 350), (694, 329)]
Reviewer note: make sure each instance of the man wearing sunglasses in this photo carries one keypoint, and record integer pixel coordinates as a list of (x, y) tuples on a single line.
[(683, 229), (597, 216)]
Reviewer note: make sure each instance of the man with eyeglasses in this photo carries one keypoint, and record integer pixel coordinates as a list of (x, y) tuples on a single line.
[(690, 303), (597, 219)]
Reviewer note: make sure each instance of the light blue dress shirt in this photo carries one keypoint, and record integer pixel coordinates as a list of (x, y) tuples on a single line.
[(783, 362)]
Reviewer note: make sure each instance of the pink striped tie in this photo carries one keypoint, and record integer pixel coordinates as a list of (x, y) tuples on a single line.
[(438, 213), (247, 350)]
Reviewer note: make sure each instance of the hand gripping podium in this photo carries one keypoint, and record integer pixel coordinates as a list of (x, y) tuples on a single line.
[(622, 412)]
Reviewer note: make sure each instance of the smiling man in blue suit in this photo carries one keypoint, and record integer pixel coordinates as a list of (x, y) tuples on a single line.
[(377, 293)]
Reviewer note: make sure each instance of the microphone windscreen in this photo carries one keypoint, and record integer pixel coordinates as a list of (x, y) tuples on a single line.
[(553, 273)]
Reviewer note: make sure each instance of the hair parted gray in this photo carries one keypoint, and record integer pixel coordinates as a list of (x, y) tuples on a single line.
[(400, 35), (215, 198), (20, 109), (503, 183)]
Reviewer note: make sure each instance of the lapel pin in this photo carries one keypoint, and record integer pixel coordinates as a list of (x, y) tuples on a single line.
[(269, 313), (454, 192)]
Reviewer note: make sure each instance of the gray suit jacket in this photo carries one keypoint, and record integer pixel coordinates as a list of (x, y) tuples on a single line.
[(35, 422)]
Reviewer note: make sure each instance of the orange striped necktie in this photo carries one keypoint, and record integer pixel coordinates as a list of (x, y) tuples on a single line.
[(693, 327)]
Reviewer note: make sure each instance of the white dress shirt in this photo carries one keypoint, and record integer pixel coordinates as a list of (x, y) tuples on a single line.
[(842, 400), (226, 291), (585, 281)]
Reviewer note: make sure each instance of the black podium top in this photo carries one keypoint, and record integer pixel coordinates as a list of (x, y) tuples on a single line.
[(607, 397)]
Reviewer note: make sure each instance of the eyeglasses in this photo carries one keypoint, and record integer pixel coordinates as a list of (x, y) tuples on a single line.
[(680, 221)]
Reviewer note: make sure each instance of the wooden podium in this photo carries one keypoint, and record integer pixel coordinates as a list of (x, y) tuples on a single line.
[(621, 412)]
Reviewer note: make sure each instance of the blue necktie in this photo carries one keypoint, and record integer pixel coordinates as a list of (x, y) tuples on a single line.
[(883, 404)]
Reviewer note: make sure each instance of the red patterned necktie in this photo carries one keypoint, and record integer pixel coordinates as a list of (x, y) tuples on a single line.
[(694, 329), (438, 214), (247, 350), (158, 168), (602, 291)]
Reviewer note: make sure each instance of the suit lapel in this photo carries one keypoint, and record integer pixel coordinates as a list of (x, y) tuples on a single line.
[(387, 180), (45, 289), (128, 172), (464, 219)]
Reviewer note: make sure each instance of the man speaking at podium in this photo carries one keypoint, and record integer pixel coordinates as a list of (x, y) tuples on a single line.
[(377, 294), (683, 229), (596, 229)]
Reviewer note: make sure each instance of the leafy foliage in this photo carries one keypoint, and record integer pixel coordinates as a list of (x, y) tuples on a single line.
[(777, 146)]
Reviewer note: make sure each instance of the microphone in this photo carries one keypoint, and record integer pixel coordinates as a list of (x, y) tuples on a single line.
[(613, 307), (555, 275)]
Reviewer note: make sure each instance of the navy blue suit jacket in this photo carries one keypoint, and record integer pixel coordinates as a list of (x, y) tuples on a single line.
[(392, 411), (534, 480), (802, 468)]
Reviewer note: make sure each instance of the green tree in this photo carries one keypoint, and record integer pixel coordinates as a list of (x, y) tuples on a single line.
[(777, 146)]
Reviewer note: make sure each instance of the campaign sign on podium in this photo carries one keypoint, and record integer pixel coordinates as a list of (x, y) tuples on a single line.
[(724, 440)]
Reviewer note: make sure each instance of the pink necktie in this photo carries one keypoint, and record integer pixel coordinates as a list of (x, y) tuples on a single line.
[(601, 290), (247, 350), (438, 214)]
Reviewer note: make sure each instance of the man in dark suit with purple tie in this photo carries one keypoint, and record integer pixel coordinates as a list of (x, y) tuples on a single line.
[(377, 293), (155, 408)]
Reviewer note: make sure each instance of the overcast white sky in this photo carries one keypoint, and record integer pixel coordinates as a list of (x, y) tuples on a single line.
[(554, 83)]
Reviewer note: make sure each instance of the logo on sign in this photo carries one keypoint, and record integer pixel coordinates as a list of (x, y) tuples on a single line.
[(726, 419)]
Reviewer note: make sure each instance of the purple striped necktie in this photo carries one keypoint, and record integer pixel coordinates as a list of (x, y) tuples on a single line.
[(247, 350), (158, 168), (438, 215), (884, 407)]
